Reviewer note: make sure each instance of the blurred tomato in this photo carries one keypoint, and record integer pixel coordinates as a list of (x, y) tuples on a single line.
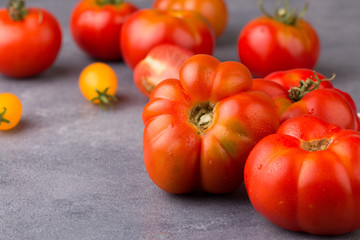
[(10, 111), (30, 40), (98, 84), (147, 28), (96, 26), (215, 11), (162, 62), (280, 42)]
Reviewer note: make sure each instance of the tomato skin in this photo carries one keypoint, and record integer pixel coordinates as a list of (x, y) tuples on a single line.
[(31, 45), (215, 11), (351, 101), (315, 191), (181, 156), (96, 29), (276, 91), (13, 111), (97, 76), (162, 62), (186, 29), (266, 46)]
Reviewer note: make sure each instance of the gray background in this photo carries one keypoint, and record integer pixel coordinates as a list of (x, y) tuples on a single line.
[(72, 171)]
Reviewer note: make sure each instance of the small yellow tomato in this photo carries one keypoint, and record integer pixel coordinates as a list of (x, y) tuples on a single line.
[(98, 84), (10, 111)]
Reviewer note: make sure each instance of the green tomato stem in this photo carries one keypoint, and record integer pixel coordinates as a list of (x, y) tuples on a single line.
[(2, 119), (285, 14), (107, 2), (16, 10), (104, 98), (306, 86)]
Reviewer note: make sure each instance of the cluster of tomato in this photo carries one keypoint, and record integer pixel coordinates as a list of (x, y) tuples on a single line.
[(290, 135)]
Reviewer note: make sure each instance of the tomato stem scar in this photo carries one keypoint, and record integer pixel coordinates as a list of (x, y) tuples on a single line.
[(316, 145), (2, 119), (104, 98), (202, 116)]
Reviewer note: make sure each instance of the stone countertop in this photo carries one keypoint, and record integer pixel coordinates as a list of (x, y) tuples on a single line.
[(72, 171)]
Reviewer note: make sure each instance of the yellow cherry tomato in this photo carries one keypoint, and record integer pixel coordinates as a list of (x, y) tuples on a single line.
[(10, 111), (98, 84)]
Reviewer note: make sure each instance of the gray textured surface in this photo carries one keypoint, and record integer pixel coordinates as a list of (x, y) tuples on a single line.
[(73, 171)]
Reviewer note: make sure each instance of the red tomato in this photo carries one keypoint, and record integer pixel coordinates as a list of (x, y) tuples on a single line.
[(306, 177), (30, 42), (162, 62), (312, 95), (215, 11), (147, 28), (280, 42), (199, 130), (96, 26)]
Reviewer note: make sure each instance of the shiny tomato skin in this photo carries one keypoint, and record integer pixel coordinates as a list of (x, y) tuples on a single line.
[(148, 28), (315, 190), (348, 98), (215, 11), (291, 78), (183, 153), (96, 29), (266, 45), (162, 62), (273, 89), (351, 101), (276, 91), (31, 45)]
